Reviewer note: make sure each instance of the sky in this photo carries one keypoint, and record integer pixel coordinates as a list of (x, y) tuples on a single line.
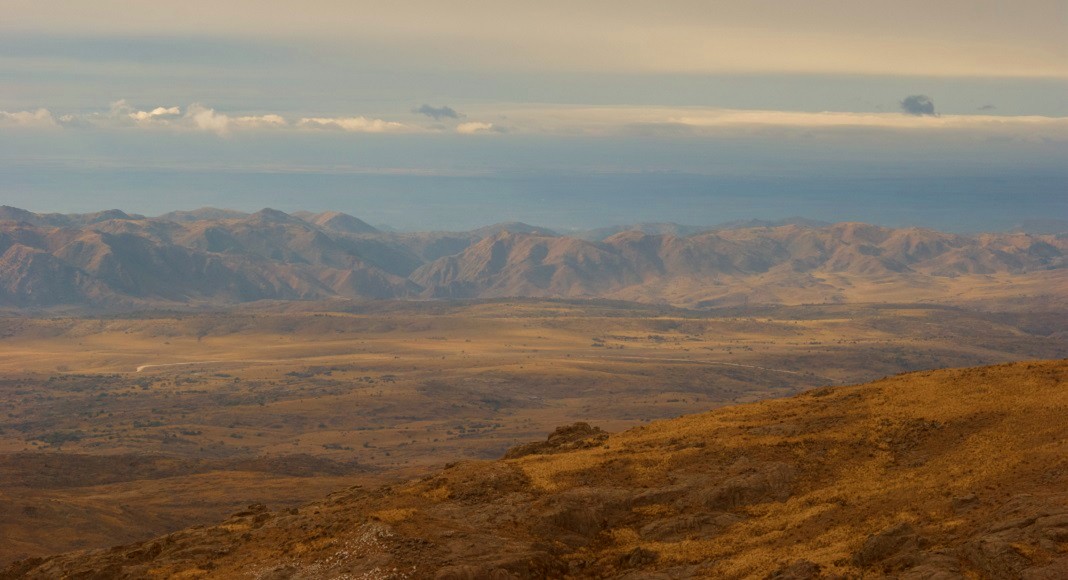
[(450, 115)]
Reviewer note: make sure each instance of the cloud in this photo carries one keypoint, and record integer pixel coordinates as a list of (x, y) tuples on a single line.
[(39, 118), (206, 119), (120, 107), (918, 105), (121, 113), (260, 121), (478, 127), (439, 113), (354, 124), (157, 112)]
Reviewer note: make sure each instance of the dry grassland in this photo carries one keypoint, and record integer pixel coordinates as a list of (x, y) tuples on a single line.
[(943, 474), (117, 429)]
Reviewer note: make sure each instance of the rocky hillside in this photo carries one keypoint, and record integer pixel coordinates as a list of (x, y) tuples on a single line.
[(218, 257), (944, 474)]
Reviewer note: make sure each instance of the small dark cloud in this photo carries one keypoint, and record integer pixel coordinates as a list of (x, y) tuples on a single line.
[(987, 108), (438, 113), (918, 105)]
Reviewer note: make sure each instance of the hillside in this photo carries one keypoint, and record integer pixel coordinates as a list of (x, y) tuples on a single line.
[(210, 257), (941, 474)]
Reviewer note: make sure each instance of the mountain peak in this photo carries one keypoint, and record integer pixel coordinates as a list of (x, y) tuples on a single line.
[(341, 222), (108, 214), (202, 214), (15, 214), (271, 215), (514, 228)]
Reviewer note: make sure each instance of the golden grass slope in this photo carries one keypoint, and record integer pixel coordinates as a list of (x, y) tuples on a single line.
[(954, 473)]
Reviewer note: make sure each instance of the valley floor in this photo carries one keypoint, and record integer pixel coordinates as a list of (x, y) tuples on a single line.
[(118, 429)]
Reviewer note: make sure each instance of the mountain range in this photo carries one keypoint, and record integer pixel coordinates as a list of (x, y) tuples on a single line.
[(213, 257)]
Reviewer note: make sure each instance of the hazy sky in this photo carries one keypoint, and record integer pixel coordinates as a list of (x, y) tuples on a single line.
[(447, 114)]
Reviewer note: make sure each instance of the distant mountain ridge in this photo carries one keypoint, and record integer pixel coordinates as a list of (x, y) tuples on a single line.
[(202, 214), (1042, 226), (216, 257), (681, 230), (8, 213)]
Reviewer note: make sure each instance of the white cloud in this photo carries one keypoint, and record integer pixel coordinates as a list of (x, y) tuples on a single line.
[(39, 118), (121, 113), (154, 113), (355, 124), (120, 107), (197, 117), (206, 119), (476, 127), (259, 121)]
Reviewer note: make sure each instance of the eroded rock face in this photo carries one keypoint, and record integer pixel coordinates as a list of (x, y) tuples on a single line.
[(894, 548), (687, 525), (1055, 570), (508, 567), (751, 483), (799, 570), (568, 438), (964, 503), (1027, 539), (577, 517), (935, 566)]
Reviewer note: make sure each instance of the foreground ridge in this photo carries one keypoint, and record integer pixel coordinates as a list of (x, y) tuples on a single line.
[(941, 474)]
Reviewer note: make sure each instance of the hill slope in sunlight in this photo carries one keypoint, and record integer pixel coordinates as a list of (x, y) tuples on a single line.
[(941, 474)]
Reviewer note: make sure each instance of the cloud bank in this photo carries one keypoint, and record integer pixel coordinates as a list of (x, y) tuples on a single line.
[(916, 37), (563, 121)]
